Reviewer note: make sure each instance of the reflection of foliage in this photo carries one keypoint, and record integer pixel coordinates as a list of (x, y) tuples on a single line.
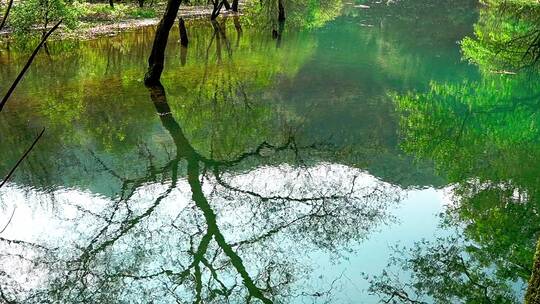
[(443, 272), (503, 219), (226, 76), (533, 291), (300, 14), (485, 137), (506, 36), (455, 124), (98, 104)]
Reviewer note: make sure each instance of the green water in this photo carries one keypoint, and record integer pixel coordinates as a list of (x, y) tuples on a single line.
[(271, 170)]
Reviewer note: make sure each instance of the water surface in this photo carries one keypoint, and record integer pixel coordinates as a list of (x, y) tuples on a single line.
[(284, 169)]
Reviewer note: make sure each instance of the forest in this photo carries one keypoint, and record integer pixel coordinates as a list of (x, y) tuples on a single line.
[(270, 151)]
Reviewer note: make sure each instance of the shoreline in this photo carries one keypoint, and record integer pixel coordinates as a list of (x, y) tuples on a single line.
[(99, 29)]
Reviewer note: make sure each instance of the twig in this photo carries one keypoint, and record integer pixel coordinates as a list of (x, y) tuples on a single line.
[(22, 158), (6, 14), (9, 221)]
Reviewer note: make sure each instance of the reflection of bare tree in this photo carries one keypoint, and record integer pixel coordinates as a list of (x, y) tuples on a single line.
[(232, 243), (3, 102)]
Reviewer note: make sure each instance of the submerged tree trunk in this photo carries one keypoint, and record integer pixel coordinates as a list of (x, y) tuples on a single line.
[(234, 6), (533, 291), (279, 33), (281, 9), (157, 56), (183, 55), (217, 33), (183, 32), (184, 41), (238, 28)]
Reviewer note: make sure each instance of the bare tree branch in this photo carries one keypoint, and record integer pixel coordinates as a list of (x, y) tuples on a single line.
[(22, 158), (9, 221), (27, 65), (6, 14)]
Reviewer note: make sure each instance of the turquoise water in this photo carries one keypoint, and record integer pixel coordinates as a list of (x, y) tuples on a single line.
[(270, 170)]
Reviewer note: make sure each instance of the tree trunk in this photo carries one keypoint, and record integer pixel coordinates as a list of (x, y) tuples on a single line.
[(281, 9), (217, 34), (183, 32), (141, 3), (234, 6), (533, 291), (238, 28), (217, 9), (281, 27), (183, 55), (226, 4), (157, 56), (111, 3)]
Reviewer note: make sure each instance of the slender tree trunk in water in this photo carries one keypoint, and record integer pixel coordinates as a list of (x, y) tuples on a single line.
[(157, 56), (281, 9), (226, 4), (6, 14), (183, 32), (217, 8), (238, 28), (183, 55), (234, 6), (533, 291), (281, 27), (217, 33), (184, 41)]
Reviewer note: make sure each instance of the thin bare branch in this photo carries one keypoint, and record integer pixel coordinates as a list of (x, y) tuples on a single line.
[(27, 65), (6, 14), (22, 158), (9, 221)]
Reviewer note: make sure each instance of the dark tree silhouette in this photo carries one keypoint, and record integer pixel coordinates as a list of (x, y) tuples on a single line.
[(156, 60)]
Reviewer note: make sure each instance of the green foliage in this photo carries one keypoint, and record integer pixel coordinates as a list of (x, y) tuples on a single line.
[(92, 12), (470, 119), (30, 15), (506, 36), (142, 12)]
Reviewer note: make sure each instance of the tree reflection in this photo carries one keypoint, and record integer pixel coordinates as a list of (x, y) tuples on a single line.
[(441, 272), (507, 36), (484, 137), (234, 241)]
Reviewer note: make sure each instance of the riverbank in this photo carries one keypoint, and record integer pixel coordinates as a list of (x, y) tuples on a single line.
[(107, 24)]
